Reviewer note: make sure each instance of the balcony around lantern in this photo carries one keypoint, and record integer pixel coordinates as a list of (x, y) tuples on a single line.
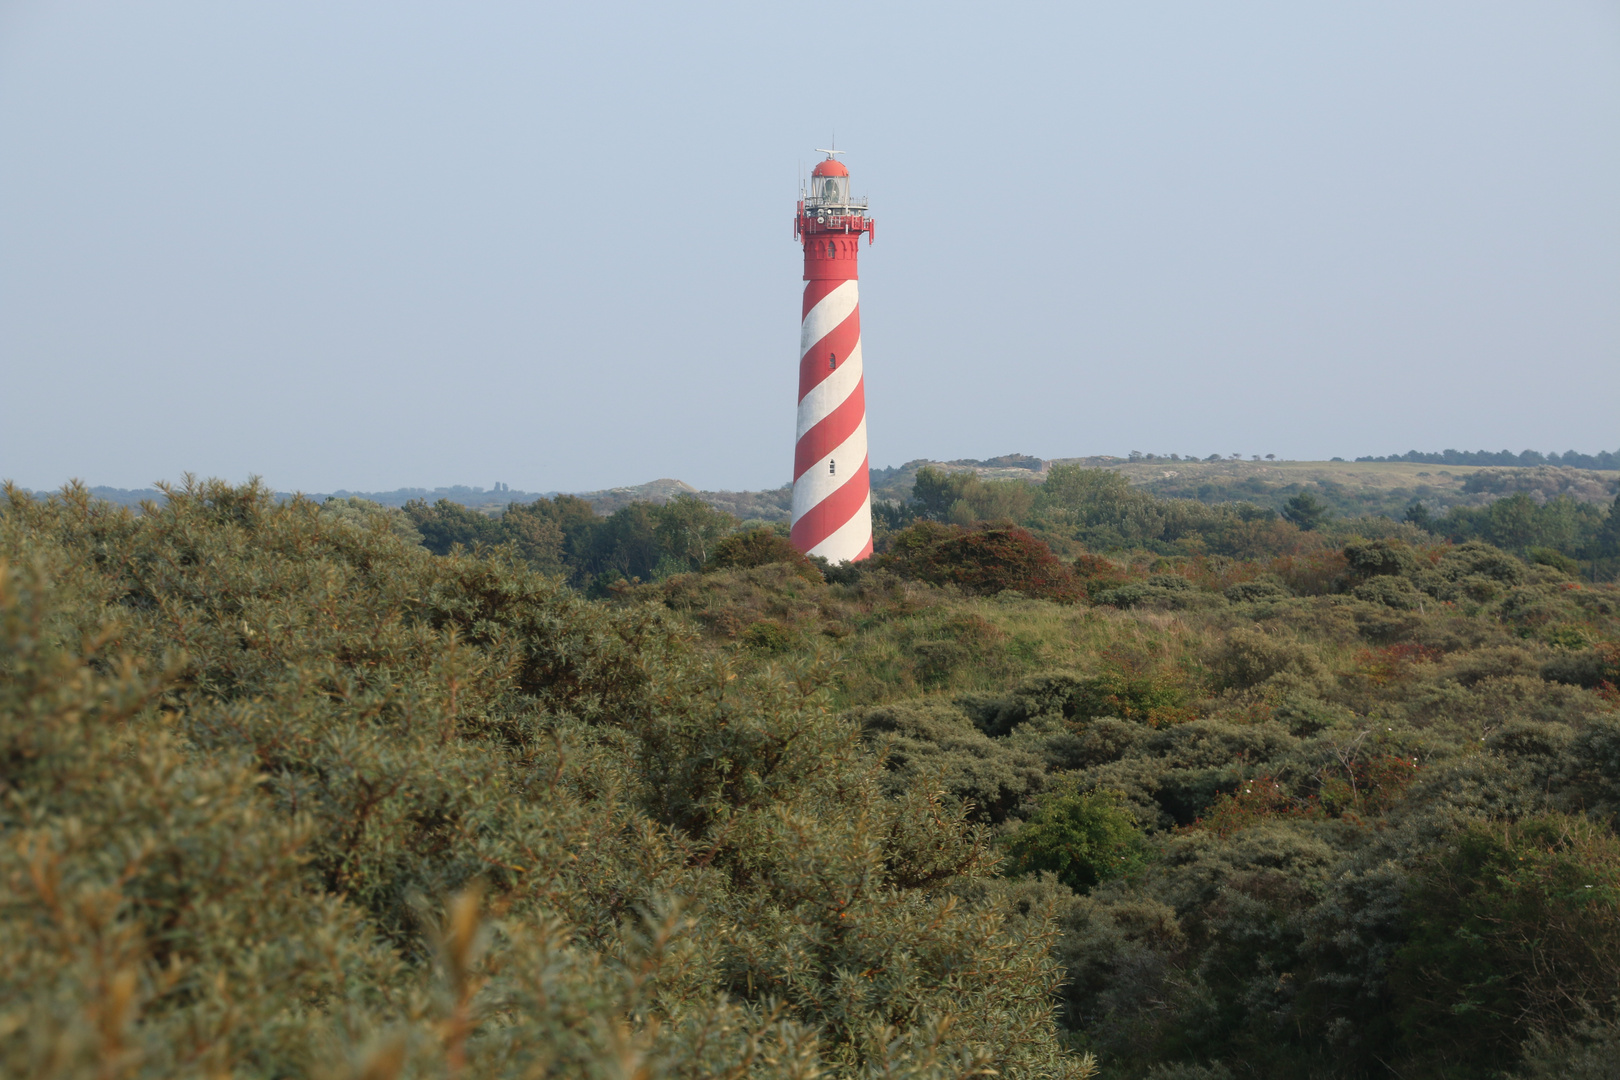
[(843, 205), (831, 223), (836, 214)]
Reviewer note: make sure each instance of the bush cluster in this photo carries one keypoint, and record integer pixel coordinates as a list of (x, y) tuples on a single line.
[(1277, 804), (1192, 788), (285, 795), (980, 561)]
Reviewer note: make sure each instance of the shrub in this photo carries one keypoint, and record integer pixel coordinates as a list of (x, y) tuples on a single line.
[(1375, 558), (1395, 592), (960, 640), (1157, 590), (1248, 658), (1514, 929), (1306, 511), (768, 636), (759, 547), (1128, 596), (982, 562), (1545, 556), (1151, 698), (1478, 559), (939, 748), (1254, 592), (1098, 573), (274, 783), (1590, 668), (1083, 839)]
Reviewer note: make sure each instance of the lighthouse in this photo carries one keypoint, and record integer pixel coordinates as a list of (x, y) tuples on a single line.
[(832, 497)]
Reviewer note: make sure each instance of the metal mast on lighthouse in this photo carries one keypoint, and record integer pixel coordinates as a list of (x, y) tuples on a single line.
[(832, 498)]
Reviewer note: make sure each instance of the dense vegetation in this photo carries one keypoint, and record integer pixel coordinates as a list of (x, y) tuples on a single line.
[(1073, 510), (285, 795), (1205, 790)]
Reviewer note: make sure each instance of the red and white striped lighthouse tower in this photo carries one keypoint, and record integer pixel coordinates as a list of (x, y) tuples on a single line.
[(832, 498)]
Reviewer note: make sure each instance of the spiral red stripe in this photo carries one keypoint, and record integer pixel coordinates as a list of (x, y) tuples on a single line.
[(835, 346), (830, 432), (832, 513), (816, 291)]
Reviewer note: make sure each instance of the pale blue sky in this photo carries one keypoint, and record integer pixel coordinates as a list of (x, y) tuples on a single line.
[(376, 245)]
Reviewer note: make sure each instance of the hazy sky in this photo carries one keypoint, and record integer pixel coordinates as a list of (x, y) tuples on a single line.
[(366, 246)]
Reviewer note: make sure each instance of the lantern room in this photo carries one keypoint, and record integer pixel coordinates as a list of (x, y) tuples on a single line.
[(829, 184)]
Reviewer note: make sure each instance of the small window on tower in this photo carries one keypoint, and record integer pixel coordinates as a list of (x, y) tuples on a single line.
[(832, 361), (832, 250), (832, 467)]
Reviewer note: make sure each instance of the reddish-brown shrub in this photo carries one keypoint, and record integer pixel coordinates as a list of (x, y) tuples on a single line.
[(1097, 573), (983, 561)]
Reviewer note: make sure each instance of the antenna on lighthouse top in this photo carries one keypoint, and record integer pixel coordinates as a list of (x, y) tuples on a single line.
[(831, 153)]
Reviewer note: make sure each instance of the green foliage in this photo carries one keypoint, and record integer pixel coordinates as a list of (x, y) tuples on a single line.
[(690, 531), (1373, 558), (937, 746), (1588, 1051), (1513, 927), (446, 524), (1165, 591), (768, 636), (348, 806), (759, 547), (1083, 839), (1518, 523), (1306, 511), (365, 514), (1099, 509), (285, 796), (963, 499), (1254, 592), (1546, 556), (1550, 519), (1591, 668), (565, 536), (1153, 698)]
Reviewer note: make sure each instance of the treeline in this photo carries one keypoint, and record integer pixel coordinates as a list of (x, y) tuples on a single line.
[(1099, 510), (1560, 531), (565, 536), (1569, 459), (1076, 509), (1095, 509)]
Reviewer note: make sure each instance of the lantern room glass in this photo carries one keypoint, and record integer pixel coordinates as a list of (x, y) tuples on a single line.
[(830, 190)]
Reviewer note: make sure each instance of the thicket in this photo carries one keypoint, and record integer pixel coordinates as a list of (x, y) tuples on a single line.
[(1346, 811), (285, 795), (565, 536), (1188, 787), (1063, 769), (1560, 530), (1075, 510)]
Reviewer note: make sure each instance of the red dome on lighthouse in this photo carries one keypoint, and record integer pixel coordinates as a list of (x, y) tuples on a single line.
[(830, 167)]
